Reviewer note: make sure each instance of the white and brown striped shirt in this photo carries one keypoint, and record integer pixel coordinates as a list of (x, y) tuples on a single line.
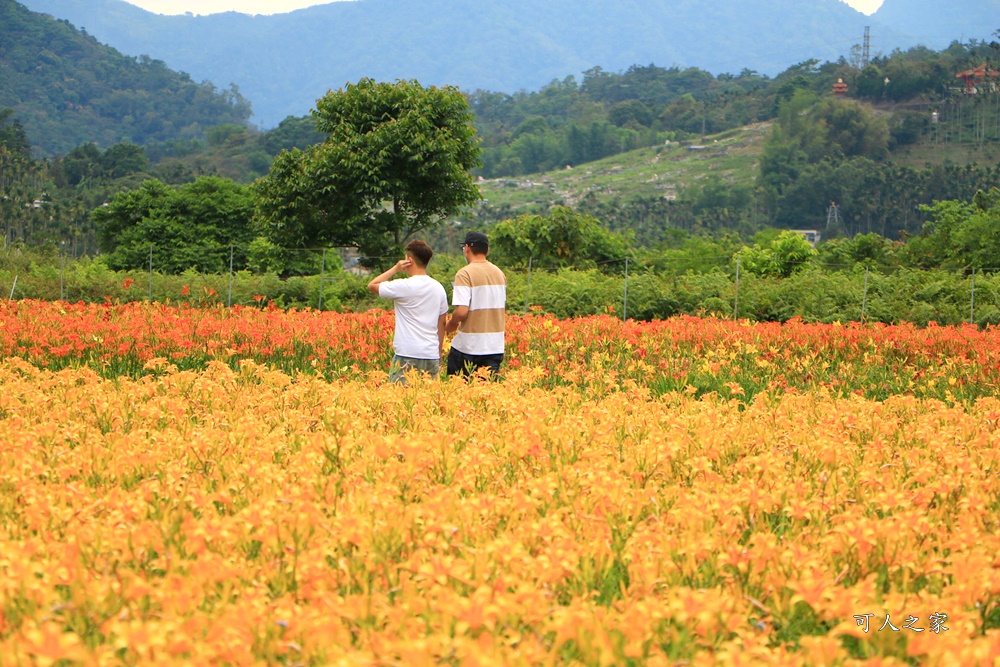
[(482, 287)]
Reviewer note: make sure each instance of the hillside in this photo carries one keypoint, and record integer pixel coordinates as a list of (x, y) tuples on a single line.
[(646, 173), (283, 63), (646, 150), (68, 89)]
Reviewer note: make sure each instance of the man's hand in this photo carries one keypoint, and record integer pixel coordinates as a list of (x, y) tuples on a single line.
[(400, 266), (457, 317)]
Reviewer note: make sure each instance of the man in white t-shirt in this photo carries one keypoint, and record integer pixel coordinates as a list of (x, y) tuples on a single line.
[(421, 311)]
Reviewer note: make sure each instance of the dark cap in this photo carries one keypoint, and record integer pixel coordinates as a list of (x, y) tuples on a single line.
[(477, 240)]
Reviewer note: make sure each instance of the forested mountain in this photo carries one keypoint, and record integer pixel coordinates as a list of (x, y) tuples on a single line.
[(283, 63), (67, 89)]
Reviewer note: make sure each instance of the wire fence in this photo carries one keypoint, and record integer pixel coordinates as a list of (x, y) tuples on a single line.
[(960, 276), (334, 279)]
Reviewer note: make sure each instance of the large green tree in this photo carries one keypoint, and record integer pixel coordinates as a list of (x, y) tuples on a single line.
[(397, 161), (780, 256), (195, 226), (564, 238), (960, 234)]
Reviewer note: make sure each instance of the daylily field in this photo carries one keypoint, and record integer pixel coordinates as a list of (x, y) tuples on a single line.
[(206, 486)]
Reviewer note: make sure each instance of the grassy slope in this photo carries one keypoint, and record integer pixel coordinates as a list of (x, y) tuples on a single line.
[(665, 171), (647, 172), (926, 154)]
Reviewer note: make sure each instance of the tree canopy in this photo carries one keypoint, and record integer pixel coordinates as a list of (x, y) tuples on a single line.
[(960, 234), (781, 255), (563, 238), (194, 226), (397, 160), (12, 136)]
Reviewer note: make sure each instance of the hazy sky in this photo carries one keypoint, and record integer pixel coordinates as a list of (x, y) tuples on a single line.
[(279, 6), (215, 6)]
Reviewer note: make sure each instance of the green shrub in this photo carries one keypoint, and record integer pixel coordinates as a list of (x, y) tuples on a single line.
[(814, 294)]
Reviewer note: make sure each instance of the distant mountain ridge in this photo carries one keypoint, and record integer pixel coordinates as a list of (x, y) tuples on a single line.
[(283, 63), (936, 24)]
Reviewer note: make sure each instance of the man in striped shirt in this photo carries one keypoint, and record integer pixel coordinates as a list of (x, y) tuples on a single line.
[(480, 299)]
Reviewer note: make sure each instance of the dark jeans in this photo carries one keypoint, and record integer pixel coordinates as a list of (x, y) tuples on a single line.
[(460, 363)]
